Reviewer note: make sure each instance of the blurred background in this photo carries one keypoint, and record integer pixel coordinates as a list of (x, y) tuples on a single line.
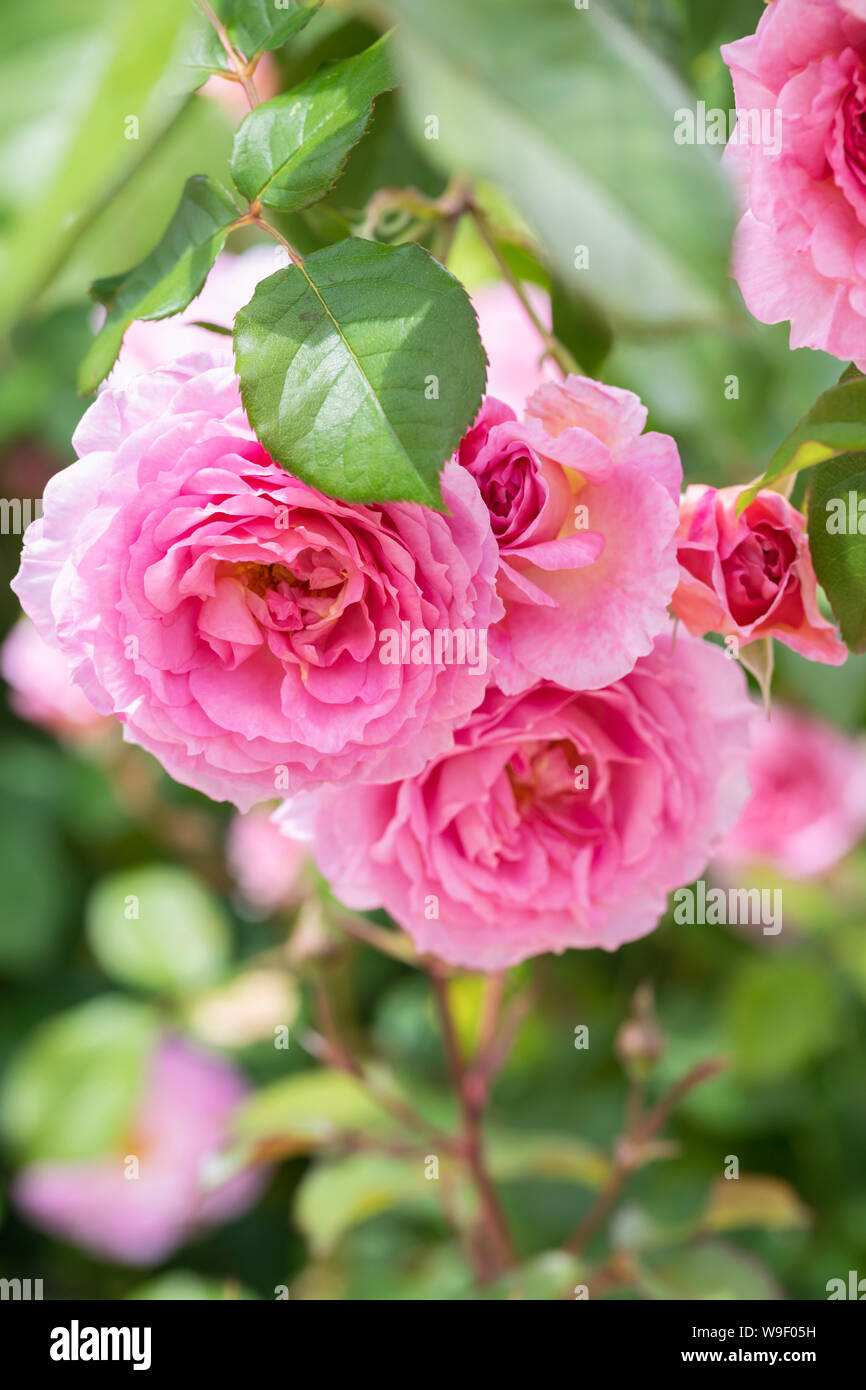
[(240, 943)]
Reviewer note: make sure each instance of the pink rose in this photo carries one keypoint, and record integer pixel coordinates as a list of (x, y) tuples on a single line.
[(267, 867), (560, 819), (246, 629), (41, 688), (514, 348), (583, 505), (750, 576), (800, 248), (808, 802), (148, 344), (182, 1121)]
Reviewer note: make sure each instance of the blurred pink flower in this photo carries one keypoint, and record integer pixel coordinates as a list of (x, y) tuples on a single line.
[(559, 820), (148, 344), (800, 248), (808, 802), (583, 505), (514, 348), (266, 865), (41, 688), (233, 617), (750, 576), (181, 1122)]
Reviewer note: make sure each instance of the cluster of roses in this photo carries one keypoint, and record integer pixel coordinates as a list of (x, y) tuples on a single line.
[(232, 618)]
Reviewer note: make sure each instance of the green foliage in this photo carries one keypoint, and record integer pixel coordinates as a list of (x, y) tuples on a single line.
[(835, 425), (361, 369), (34, 874), (708, 1270), (183, 1286), (566, 112), (71, 71), (252, 27), (290, 151), (158, 928), (70, 1093), (338, 1195), (569, 115), (840, 555), (783, 1014), (168, 279), (307, 1109)]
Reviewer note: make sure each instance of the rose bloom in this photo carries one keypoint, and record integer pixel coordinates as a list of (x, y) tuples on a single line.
[(584, 508), (560, 819), (233, 618), (267, 867), (181, 1122), (41, 688), (514, 348), (148, 344), (808, 802), (750, 576), (800, 248)]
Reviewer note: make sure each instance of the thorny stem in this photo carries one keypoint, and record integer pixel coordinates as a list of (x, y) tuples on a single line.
[(258, 221), (631, 1151), (456, 202), (556, 349), (241, 67), (339, 1055), (495, 1250)]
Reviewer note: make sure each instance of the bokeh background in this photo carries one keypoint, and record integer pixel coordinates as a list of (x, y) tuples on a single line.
[(86, 821)]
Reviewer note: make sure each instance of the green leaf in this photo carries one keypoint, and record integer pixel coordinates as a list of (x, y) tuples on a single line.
[(759, 658), (253, 26), (361, 369), (184, 1286), (573, 118), (306, 1110), (578, 324), (839, 556), (334, 1197), (290, 151), (709, 1270), (167, 280), (546, 1278), (553, 1157), (754, 1202), (836, 424), (35, 874), (158, 928), (70, 1093), (782, 1014), (71, 73)]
